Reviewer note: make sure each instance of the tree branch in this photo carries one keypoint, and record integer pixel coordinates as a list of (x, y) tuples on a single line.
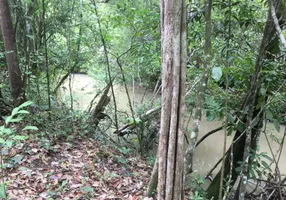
[(276, 23)]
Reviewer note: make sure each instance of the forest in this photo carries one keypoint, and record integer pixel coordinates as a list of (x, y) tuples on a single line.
[(143, 99)]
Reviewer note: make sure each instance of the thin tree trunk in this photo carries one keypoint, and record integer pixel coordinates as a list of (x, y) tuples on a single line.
[(251, 102), (248, 140), (151, 188), (107, 64), (46, 56), (15, 76), (201, 91)]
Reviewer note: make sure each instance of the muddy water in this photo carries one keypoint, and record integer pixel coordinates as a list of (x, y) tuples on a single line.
[(207, 153), (84, 89)]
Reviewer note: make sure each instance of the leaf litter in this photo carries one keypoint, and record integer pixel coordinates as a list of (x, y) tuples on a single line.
[(83, 169)]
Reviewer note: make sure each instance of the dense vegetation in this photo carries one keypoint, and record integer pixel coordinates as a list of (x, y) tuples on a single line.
[(118, 44)]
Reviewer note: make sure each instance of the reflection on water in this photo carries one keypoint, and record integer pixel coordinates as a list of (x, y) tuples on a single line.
[(207, 153)]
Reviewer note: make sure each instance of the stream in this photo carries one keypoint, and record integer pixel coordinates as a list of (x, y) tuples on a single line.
[(84, 88)]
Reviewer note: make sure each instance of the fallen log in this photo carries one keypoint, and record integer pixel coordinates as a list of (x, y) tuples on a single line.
[(129, 128), (98, 112)]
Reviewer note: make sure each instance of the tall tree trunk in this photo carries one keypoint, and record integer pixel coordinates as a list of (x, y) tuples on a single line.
[(174, 58), (15, 76)]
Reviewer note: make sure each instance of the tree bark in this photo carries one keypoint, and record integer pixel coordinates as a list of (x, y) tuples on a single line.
[(174, 58), (276, 21), (15, 76), (151, 189)]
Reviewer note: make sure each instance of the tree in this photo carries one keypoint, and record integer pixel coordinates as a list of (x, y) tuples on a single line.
[(250, 140), (174, 58), (246, 139), (201, 91), (15, 76)]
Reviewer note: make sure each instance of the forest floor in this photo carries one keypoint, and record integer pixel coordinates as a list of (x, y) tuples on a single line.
[(83, 169)]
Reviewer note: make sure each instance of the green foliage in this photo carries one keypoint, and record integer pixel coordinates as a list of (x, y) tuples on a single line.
[(130, 30), (109, 175), (123, 150), (276, 111), (3, 194), (59, 126), (122, 161), (196, 185), (214, 109), (197, 196), (87, 190), (9, 138), (259, 166), (151, 160)]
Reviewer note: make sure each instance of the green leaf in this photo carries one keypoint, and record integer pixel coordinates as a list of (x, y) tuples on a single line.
[(276, 124), (31, 36), (267, 157), (20, 137), (138, 120), (269, 115), (263, 91), (9, 143), (23, 112), (30, 128), (252, 173), (216, 73), (25, 104), (15, 111), (86, 189), (17, 159), (8, 119), (240, 126), (2, 191), (18, 119), (210, 118), (276, 139), (265, 164), (238, 169), (7, 131), (2, 141), (230, 118), (25, 171)]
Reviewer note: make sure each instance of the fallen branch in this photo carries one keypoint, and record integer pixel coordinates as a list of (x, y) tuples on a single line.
[(98, 112), (126, 129)]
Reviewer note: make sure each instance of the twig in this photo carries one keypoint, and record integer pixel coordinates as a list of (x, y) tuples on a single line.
[(208, 134)]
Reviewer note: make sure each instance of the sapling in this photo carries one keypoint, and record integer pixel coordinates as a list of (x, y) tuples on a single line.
[(8, 138)]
